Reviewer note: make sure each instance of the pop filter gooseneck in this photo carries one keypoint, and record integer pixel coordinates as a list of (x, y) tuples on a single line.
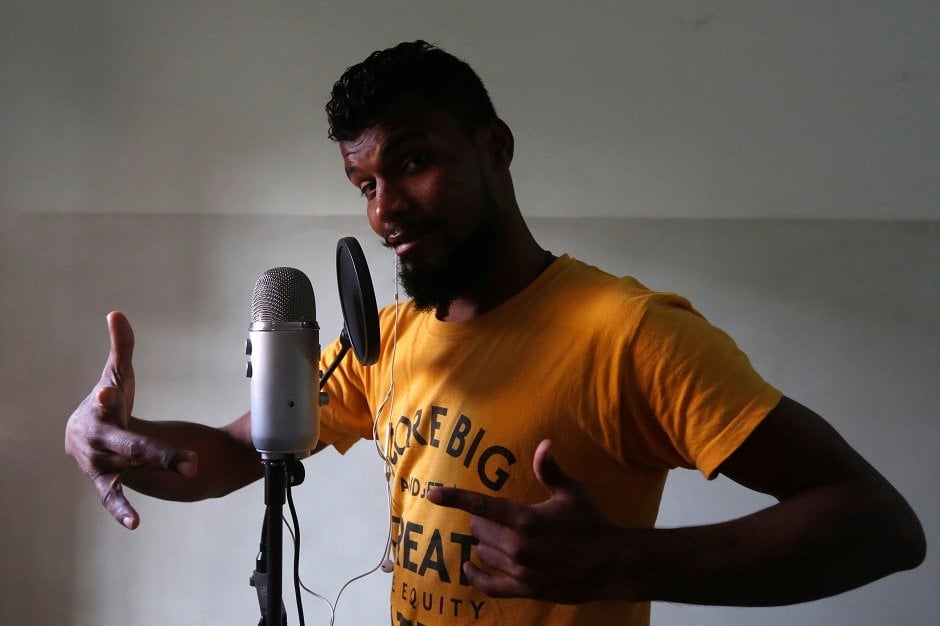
[(357, 299)]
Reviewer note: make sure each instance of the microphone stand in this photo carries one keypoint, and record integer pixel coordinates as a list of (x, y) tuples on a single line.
[(267, 578)]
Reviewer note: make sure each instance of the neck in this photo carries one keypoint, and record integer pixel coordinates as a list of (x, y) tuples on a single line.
[(509, 271)]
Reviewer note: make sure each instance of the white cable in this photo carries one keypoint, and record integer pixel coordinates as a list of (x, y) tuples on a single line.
[(389, 470)]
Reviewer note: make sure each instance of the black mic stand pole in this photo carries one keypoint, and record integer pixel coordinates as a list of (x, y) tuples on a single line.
[(268, 576)]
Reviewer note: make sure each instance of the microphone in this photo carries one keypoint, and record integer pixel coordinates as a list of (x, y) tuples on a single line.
[(284, 352)]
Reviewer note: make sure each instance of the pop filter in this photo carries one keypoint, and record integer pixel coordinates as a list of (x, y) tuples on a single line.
[(357, 298)]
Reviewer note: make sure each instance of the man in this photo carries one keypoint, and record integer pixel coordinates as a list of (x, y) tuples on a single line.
[(534, 466)]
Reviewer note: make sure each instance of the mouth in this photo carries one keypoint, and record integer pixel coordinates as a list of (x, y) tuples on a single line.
[(403, 240)]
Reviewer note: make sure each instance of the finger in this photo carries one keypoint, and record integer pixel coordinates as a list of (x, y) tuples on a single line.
[(119, 449), (112, 497), (119, 370), (549, 472), (111, 404), (496, 560), (497, 509), (122, 338), (495, 584)]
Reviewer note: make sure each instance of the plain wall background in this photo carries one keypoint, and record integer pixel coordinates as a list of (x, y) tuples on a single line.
[(777, 163)]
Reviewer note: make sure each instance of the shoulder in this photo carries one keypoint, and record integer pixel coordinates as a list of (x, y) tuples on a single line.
[(602, 297)]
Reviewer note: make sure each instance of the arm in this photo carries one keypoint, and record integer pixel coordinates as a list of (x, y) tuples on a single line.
[(157, 458), (838, 524)]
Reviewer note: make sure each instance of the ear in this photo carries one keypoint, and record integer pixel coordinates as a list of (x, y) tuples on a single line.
[(499, 144)]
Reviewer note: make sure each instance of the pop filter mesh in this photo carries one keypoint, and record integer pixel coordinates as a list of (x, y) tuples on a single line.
[(357, 298), (283, 294)]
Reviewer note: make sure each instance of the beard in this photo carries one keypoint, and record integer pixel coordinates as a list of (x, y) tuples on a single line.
[(434, 285)]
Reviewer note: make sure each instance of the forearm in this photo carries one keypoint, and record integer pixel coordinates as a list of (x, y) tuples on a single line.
[(226, 461), (815, 544)]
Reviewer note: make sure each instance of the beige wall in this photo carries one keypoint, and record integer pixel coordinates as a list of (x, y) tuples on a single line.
[(695, 108)]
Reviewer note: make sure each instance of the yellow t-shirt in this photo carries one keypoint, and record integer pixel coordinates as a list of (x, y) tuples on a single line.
[(627, 383)]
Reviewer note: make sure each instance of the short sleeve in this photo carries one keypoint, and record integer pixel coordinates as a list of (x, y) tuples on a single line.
[(346, 418), (698, 387)]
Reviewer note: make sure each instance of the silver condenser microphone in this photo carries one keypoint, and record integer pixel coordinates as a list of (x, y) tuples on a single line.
[(284, 354)]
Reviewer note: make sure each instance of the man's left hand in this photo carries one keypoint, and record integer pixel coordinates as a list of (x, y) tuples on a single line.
[(558, 550)]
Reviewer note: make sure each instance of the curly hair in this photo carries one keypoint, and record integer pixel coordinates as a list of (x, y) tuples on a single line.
[(419, 68)]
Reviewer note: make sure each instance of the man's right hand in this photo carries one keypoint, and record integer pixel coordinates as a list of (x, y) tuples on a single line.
[(98, 434)]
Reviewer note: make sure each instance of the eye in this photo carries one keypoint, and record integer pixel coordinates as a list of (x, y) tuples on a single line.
[(417, 162), (367, 189)]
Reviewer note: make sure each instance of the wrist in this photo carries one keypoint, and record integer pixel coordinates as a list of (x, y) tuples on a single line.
[(626, 572)]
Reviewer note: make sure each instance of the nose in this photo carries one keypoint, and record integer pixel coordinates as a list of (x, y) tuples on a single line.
[(389, 203)]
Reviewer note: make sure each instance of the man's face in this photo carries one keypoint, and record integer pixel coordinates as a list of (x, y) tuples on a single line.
[(427, 197)]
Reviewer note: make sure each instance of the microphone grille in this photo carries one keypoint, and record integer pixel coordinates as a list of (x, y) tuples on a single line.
[(283, 294)]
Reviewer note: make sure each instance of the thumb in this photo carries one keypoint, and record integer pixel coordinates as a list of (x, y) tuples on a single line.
[(119, 370), (122, 340), (550, 473)]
